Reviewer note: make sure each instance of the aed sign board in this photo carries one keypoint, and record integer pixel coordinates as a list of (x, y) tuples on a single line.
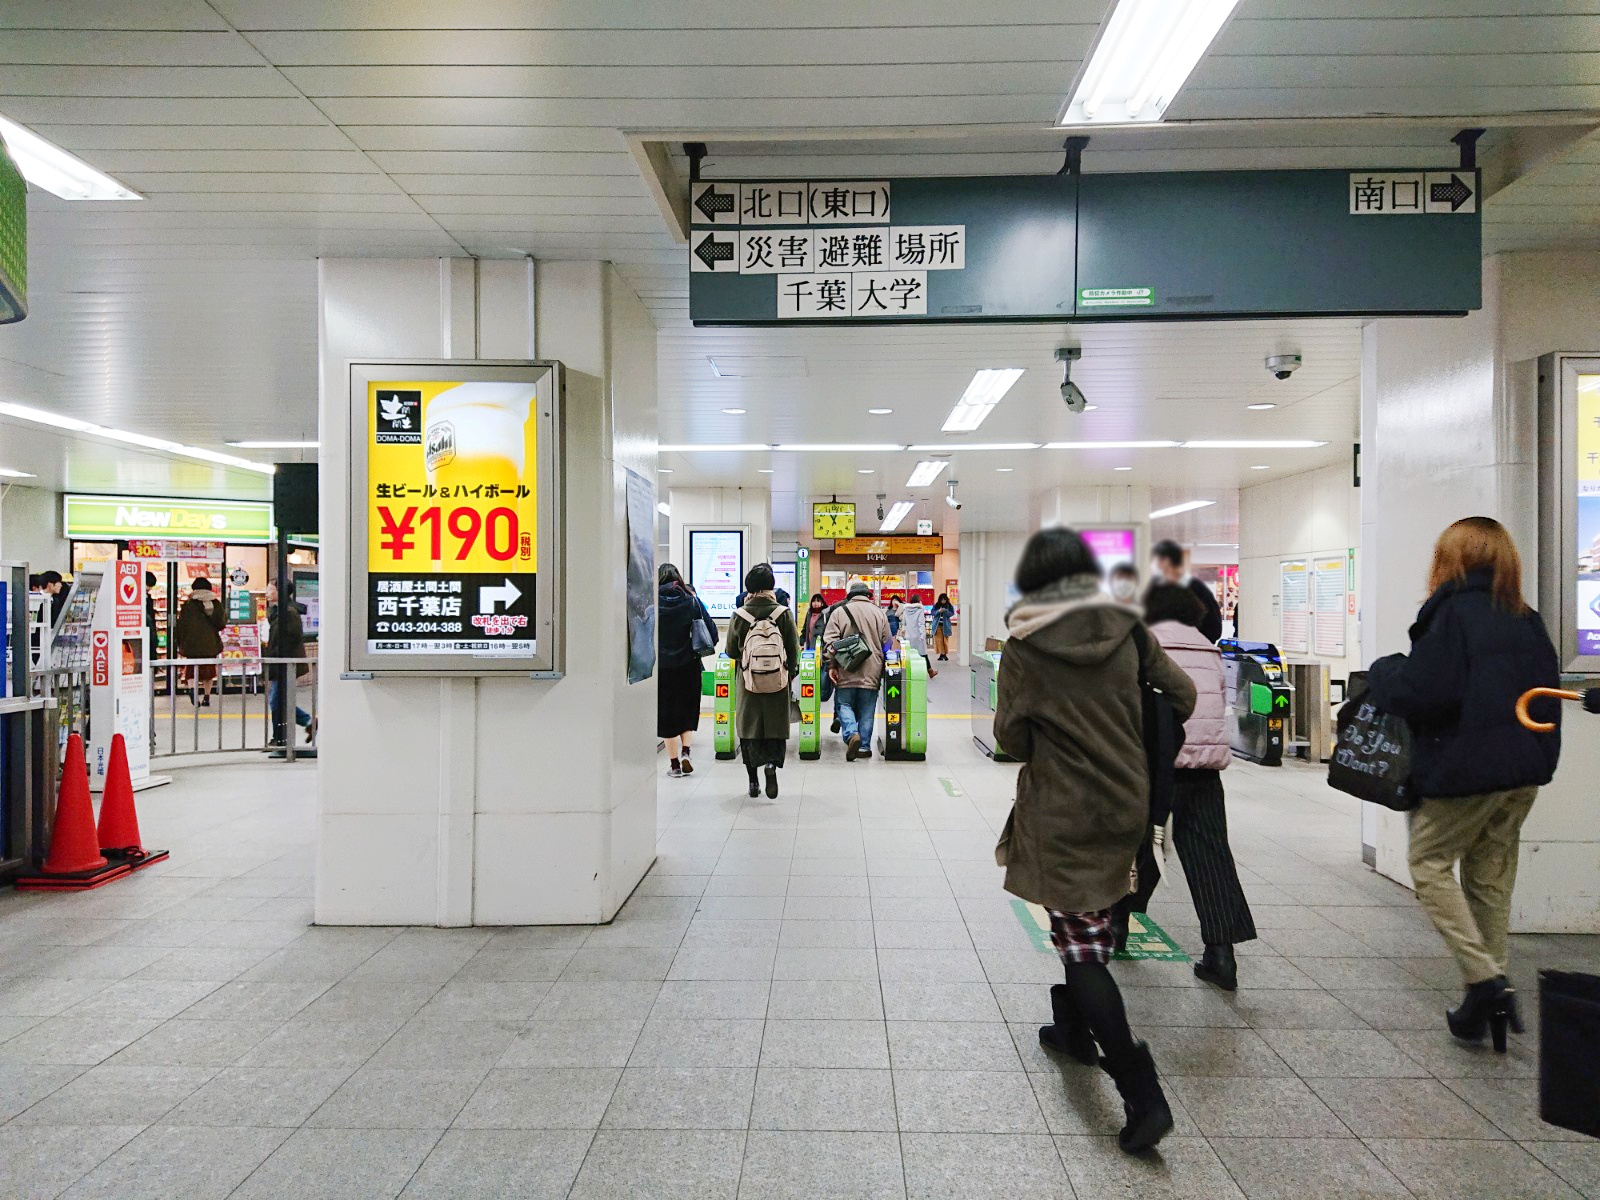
[(454, 557), (125, 518), (1153, 246)]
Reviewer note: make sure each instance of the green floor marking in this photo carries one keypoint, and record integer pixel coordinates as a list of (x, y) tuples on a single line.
[(949, 785), (1146, 939)]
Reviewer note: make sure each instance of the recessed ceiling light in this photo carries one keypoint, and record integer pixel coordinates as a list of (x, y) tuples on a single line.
[(1186, 506), (764, 470), (1261, 407), (734, 412), (982, 394), (880, 412), (1261, 467), (1122, 468), (8, 473), (39, 416), (46, 165), (663, 470), (1143, 55), (274, 445), (926, 472), (1005, 470), (865, 471)]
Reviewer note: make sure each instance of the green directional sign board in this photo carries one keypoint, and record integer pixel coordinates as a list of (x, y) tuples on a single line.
[(1157, 246), (13, 240)]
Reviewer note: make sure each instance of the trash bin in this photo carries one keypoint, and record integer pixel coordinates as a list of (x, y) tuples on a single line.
[(1569, 1044)]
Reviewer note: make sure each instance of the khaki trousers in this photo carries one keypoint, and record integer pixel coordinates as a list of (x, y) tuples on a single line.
[(1482, 833)]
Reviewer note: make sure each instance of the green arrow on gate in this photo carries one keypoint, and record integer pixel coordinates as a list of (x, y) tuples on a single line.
[(1282, 701), (893, 691)]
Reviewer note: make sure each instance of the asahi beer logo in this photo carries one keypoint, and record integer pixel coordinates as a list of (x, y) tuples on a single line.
[(441, 445), (399, 418)]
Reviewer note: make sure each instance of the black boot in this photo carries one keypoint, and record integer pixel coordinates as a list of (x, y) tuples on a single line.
[(772, 782), (1149, 1117), (1217, 966), (1482, 1002), (1069, 1035), (755, 785), (1119, 931)]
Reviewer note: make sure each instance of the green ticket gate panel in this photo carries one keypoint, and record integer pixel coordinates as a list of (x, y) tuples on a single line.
[(905, 706), (1259, 698), (810, 705), (722, 707), (985, 695)]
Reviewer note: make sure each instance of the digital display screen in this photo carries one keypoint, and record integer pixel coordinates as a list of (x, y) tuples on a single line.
[(1588, 525), (716, 568), (1113, 547)]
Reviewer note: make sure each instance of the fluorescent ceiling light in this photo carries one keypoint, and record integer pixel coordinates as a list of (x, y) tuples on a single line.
[(1122, 468), (274, 445), (982, 394), (1261, 407), (1261, 467), (734, 412), (714, 448), (46, 165), (1143, 56), (1292, 444), (866, 471), (1110, 445), (896, 515), (664, 509), (1219, 545), (926, 472), (663, 470), (841, 447), (1005, 470), (764, 470), (1186, 506), (38, 416), (880, 412), (947, 447), (8, 473)]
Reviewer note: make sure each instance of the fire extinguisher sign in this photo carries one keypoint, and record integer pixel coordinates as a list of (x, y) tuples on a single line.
[(102, 658)]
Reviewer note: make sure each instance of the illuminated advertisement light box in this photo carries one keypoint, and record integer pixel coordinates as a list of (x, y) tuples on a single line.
[(454, 565), (119, 518), (716, 568), (890, 545)]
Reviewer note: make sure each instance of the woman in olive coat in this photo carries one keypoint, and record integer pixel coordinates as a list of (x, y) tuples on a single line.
[(763, 720)]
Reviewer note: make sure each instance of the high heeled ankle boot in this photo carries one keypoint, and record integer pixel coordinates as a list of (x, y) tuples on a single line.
[(1069, 1034), (1469, 1020)]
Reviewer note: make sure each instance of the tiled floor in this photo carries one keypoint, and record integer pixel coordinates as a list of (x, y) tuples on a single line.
[(823, 996)]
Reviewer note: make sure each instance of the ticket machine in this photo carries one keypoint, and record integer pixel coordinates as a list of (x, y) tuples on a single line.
[(985, 695), (1259, 697)]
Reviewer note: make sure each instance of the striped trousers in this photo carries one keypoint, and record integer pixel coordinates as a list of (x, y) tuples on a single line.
[(1200, 832)]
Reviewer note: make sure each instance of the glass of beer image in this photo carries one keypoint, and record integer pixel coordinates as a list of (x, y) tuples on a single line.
[(475, 433)]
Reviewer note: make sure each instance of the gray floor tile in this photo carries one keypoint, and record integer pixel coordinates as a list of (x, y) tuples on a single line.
[(1148, 1006), (747, 935), (1463, 1170), (1448, 1058), (1396, 1009), (470, 1164), (1186, 1050), (1360, 974), (698, 1043), (835, 1043), (1353, 1052), (375, 1098), (195, 1044), (1255, 1107), (932, 966), (32, 996), (80, 1041), (1299, 1009), (712, 999), (983, 1167), (741, 908), (483, 1000), (907, 1001), (248, 1001), (306, 1043), (1578, 1164), (842, 935), (1295, 1168), (437, 1046), (682, 1098), (952, 1046), (365, 999), (603, 964), (1513, 1106), (721, 962), (591, 1001), (827, 1099), (259, 1096), (1183, 1168), (25, 1084), (1076, 1099), (797, 1165), (506, 963), (677, 1165), (826, 999), (108, 1095), (1402, 1108), (966, 1102), (540, 1098), (805, 962), (36, 1163), (340, 1164), (592, 1043), (164, 1161), (215, 963)]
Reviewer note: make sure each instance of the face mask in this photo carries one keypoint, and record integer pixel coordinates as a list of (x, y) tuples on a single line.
[(1123, 589)]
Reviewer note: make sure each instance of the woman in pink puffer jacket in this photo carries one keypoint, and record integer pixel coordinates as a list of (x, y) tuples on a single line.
[(1199, 814)]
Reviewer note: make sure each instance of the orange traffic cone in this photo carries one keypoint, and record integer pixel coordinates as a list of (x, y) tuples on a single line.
[(119, 820), (75, 862)]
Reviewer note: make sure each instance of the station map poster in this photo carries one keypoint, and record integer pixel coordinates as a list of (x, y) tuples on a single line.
[(1328, 617), (716, 568), (1294, 607), (454, 467), (641, 578)]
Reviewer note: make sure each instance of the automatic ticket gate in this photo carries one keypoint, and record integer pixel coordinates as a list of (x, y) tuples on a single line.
[(985, 695), (903, 702), (1259, 699), (723, 738), (810, 705)]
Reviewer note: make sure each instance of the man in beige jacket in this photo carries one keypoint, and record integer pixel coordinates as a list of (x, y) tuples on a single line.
[(857, 688)]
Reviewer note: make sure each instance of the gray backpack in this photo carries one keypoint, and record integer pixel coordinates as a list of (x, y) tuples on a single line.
[(762, 661)]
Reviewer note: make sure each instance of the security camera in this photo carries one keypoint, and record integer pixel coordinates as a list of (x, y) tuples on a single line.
[(1071, 394), (881, 497), (950, 497), (1283, 365)]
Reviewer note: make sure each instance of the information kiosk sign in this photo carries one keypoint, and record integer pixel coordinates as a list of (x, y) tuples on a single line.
[(454, 556)]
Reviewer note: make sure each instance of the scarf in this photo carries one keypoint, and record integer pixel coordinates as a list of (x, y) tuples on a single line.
[(1037, 609)]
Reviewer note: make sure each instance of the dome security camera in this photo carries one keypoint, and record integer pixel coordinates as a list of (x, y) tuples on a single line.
[(1281, 366)]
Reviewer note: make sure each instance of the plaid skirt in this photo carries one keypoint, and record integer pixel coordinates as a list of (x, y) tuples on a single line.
[(1084, 937)]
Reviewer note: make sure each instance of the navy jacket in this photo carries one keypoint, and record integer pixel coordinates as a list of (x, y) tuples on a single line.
[(1458, 689), (677, 609), (1211, 619)]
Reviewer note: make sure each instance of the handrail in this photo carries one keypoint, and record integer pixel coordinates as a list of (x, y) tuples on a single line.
[(1537, 693)]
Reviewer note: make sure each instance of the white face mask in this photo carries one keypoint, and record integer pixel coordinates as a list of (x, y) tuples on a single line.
[(1124, 589)]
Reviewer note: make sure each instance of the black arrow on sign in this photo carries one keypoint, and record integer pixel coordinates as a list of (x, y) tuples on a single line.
[(1455, 193), (712, 202), (711, 252)]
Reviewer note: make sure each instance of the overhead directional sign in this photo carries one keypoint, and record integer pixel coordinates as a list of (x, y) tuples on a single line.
[(1144, 247)]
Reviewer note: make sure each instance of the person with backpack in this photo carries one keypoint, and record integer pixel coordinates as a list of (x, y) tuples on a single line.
[(1199, 813), (852, 643), (685, 633), (1476, 647), (1071, 707), (762, 639)]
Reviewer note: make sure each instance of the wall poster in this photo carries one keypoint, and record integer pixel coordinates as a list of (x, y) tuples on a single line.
[(1328, 606), (455, 491), (1294, 607), (641, 555)]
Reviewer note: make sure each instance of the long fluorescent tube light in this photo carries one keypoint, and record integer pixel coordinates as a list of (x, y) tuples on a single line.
[(896, 515), (1252, 444), (841, 447), (46, 165), (1110, 445), (714, 448), (926, 472), (1142, 58), (948, 447), (274, 445), (1186, 506), (39, 416), (978, 401), (8, 473)]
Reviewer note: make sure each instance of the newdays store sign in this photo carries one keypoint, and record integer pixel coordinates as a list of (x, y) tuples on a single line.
[(115, 518)]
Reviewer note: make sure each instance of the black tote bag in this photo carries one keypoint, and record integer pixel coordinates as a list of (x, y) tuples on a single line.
[(1163, 734), (1569, 1040), (1372, 757)]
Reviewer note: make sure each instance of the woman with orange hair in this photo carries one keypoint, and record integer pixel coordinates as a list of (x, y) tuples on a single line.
[(1475, 648)]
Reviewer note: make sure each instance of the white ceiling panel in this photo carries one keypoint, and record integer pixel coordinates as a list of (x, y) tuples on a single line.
[(119, 81), (109, 15)]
